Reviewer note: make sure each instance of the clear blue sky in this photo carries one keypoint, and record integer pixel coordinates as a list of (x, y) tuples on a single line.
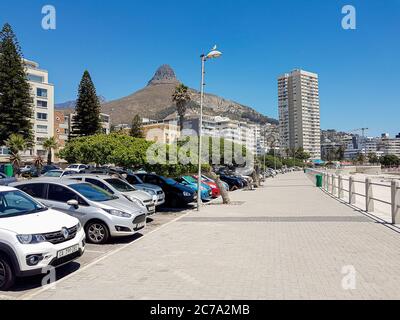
[(123, 42)]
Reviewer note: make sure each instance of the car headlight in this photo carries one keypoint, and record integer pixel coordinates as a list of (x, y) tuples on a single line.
[(186, 194), (31, 238), (79, 226), (152, 192), (137, 201), (118, 213)]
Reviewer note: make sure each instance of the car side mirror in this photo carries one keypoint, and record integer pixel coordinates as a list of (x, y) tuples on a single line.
[(73, 203)]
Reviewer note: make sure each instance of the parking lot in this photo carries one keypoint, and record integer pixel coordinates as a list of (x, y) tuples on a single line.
[(93, 253)]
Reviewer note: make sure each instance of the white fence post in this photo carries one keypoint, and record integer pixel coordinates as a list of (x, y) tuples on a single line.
[(327, 182), (352, 198), (340, 191), (333, 185), (369, 202), (395, 202)]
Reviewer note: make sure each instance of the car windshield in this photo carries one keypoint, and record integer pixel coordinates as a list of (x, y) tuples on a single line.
[(17, 203), (137, 180), (120, 185), (92, 192), (73, 166), (190, 179), (53, 174), (170, 181)]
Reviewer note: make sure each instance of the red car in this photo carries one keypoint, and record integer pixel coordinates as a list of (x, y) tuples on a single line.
[(214, 189)]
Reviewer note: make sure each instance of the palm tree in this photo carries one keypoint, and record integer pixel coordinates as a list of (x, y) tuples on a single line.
[(50, 144), (16, 143), (181, 97), (38, 163)]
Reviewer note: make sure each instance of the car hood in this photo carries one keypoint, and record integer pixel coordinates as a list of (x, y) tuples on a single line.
[(123, 205), (139, 194), (149, 186), (38, 223)]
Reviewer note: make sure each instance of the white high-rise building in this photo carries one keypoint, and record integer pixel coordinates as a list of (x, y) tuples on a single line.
[(299, 112), (43, 106)]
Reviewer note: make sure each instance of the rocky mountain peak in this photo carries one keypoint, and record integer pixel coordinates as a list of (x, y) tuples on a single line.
[(164, 75)]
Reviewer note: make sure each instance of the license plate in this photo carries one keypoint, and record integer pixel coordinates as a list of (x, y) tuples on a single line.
[(68, 251), (152, 208), (140, 225)]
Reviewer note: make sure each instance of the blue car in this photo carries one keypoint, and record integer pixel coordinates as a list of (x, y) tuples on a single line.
[(206, 192)]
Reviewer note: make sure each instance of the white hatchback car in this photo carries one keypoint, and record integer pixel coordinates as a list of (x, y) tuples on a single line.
[(34, 237)]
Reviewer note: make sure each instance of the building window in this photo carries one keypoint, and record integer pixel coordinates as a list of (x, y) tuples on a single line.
[(35, 78), (105, 119), (4, 151), (41, 92), (41, 104), (41, 116), (40, 140), (41, 129)]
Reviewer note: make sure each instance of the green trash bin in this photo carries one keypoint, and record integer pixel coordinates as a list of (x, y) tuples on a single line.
[(319, 180), (8, 170)]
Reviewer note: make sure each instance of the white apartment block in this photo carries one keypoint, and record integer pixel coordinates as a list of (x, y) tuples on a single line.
[(105, 121), (391, 146), (239, 132), (299, 112), (43, 107)]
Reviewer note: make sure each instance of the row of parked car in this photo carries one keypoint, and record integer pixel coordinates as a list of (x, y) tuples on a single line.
[(46, 221)]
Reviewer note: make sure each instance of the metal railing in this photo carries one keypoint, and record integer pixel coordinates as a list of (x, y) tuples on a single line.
[(334, 185)]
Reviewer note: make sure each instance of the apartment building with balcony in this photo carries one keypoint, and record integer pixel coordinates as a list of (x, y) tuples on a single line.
[(105, 121), (43, 106), (61, 130), (42, 93), (299, 112), (162, 132)]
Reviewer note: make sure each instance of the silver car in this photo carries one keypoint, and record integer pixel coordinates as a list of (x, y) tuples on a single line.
[(135, 181), (103, 215), (120, 188)]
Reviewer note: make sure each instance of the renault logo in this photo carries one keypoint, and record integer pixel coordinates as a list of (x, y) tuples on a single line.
[(65, 232)]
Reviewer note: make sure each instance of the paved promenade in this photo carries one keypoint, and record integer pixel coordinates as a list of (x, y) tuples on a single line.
[(287, 240)]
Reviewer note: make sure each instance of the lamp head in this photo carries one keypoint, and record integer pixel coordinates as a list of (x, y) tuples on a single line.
[(214, 53)]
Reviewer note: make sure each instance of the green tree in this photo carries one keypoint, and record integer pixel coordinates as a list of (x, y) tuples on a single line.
[(301, 154), (373, 158), (340, 153), (16, 143), (360, 158), (137, 127), (181, 98), (38, 163), (390, 160), (50, 144), (16, 104), (87, 118)]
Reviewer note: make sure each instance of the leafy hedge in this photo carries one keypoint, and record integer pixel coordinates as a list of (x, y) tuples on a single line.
[(129, 152)]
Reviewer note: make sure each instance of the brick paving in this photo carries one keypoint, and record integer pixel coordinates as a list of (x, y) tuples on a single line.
[(287, 240)]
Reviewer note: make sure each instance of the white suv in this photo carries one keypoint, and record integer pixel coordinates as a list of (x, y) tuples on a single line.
[(34, 238)]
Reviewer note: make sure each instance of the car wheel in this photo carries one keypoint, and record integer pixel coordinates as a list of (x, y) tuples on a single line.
[(7, 276), (97, 232)]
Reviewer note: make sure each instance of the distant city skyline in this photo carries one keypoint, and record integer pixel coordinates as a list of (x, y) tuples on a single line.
[(123, 43)]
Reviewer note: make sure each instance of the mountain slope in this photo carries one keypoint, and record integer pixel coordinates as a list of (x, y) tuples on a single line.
[(155, 102)]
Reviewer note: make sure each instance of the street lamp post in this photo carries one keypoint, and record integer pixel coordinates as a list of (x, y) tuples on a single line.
[(214, 53)]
